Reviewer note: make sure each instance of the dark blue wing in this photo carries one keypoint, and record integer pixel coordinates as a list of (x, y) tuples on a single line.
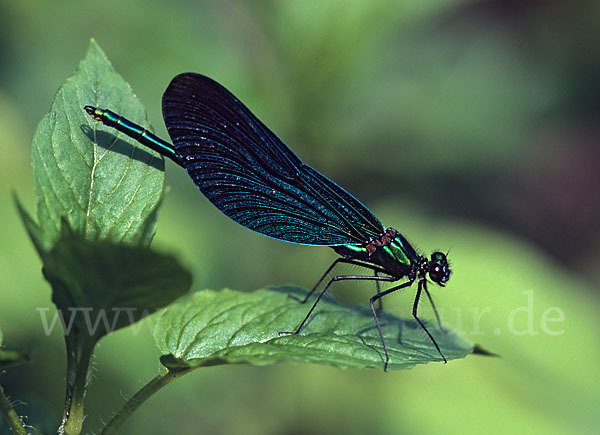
[(251, 175)]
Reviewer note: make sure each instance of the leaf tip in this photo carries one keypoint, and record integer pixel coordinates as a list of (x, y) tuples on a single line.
[(478, 350), (34, 230)]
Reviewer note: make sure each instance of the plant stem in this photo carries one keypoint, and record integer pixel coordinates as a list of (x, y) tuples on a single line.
[(13, 420), (80, 351), (162, 379)]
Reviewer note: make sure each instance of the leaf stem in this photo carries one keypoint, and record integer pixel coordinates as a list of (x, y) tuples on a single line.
[(162, 379), (80, 350), (13, 420)]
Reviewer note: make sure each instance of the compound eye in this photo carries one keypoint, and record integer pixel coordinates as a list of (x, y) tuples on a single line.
[(437, 273)]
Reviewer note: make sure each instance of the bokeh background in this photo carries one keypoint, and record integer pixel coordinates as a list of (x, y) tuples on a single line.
[(467, 125)]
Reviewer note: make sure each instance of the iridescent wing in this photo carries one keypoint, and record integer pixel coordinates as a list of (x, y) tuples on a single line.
[(249, 174)]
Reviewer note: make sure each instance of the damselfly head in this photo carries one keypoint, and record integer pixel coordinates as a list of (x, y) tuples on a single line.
[(439, 270)]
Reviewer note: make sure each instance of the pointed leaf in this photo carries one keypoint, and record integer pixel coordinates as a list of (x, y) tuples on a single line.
[(230, 327), (34, 231), (101, 286), (101, 181)]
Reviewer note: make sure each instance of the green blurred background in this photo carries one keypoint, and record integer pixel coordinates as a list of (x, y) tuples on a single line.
[(467, 125)]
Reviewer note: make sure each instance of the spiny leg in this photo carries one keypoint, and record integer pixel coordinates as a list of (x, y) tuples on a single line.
[(437, 316), (331, 281), (373, 299), (330, 268), (379, 291), (414, 312)]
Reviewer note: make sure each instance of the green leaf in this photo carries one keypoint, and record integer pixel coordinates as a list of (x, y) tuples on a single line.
[(230, 327), (96, 190), (99, 180), (100, 286)]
